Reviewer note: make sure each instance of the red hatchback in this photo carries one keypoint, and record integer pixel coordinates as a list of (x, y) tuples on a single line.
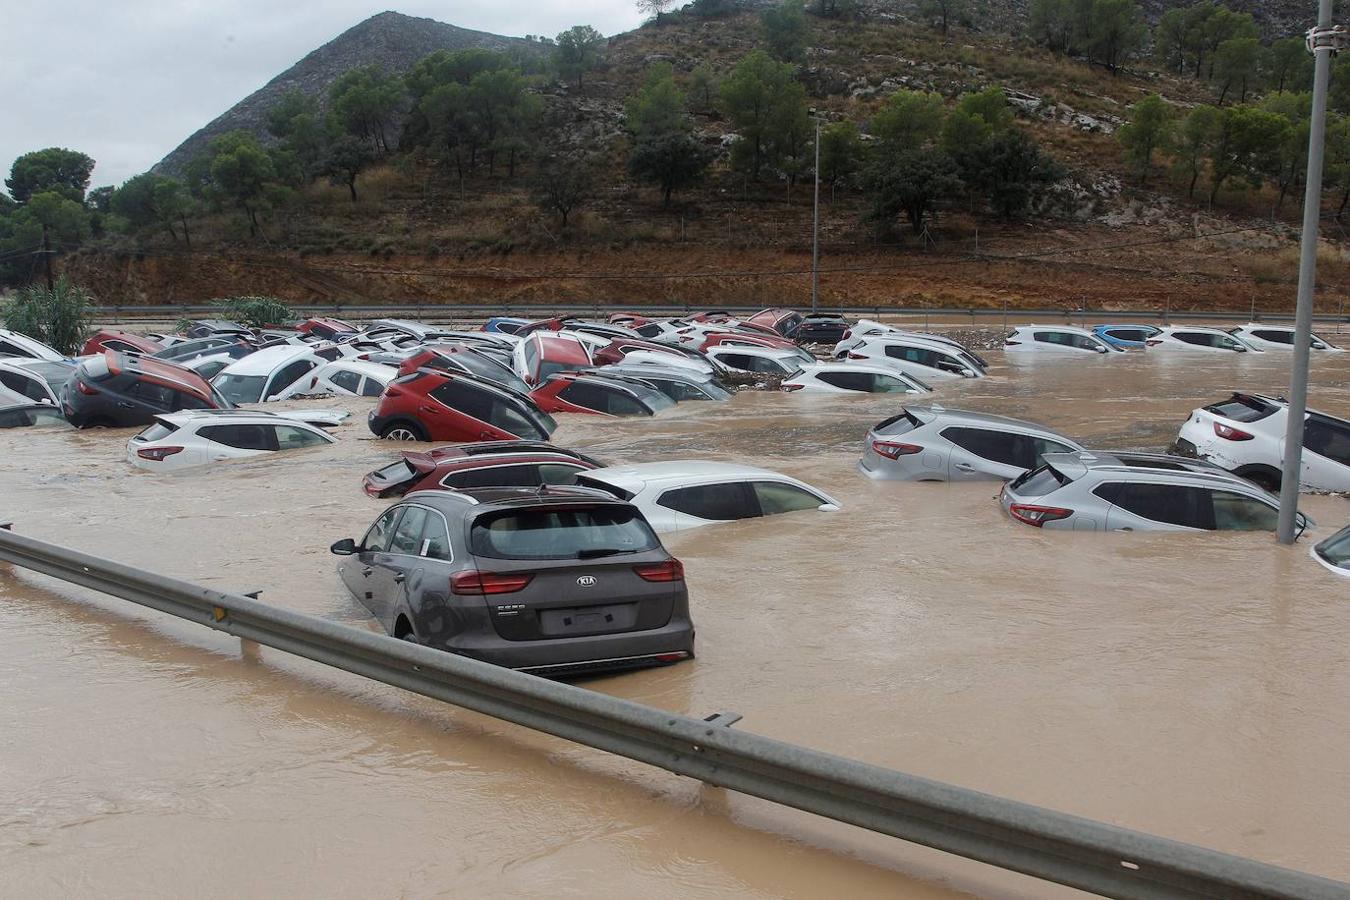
[(486, 464), (608, 395), (435, 405), (120, 342)]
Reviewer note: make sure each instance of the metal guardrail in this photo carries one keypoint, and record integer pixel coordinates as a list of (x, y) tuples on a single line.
[(470, 311), (1032, 840)]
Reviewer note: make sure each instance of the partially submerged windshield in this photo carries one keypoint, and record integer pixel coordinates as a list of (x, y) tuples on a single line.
[(240, 388)]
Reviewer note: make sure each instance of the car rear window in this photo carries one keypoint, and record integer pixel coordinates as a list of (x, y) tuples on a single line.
[(1242, 409), (1039, 482), (570, 533), (157, 432), (898, 424)]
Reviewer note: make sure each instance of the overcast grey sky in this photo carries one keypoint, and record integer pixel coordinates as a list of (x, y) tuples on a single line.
[(127, 81)]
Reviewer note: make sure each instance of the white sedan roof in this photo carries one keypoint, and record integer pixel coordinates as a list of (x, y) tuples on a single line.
[(361, 367), (685, 472), (267, 360)]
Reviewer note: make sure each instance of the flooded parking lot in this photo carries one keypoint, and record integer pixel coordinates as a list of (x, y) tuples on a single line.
[(1192, 686)]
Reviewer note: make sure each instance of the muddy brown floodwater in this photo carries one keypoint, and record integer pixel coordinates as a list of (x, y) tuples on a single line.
[(1193, 686)]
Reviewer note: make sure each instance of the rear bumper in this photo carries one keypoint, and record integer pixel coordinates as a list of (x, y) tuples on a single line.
[(569, 656)]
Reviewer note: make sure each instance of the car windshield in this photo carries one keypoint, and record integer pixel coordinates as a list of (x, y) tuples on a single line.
[(240, 388), (1336, 549), (570, 533)]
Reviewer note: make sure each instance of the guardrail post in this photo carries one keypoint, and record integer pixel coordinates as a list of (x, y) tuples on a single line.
[(250, 651)]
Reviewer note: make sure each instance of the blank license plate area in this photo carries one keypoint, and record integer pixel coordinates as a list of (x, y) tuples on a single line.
[(587, 619)]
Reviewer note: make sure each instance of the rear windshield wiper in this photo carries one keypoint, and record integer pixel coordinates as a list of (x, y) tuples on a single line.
[(595, 552)]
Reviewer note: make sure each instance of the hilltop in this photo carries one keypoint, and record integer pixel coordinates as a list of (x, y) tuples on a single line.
[(390, 40)]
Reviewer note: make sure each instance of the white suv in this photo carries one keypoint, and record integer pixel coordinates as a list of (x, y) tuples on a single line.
[(1245, 435), (198, 437), (925, 359), (1277, 337), (1058, 339), (1193, 337)]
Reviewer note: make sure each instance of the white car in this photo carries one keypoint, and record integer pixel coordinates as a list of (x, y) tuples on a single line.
[(1196, 338), (674, 496), (267, 374), (1277, 337), (1334, 552), (764, 360), (345, 377), (1245, 435), (1064, 340), (663, 332), (36, 379), (922, 358), (853, 378), (185, 439), (21, 345), (208, 366)]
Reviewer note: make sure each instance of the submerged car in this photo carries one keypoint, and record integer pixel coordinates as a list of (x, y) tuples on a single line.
[(544, 353), (459, 358), (557, 582), (37, 379), (692, 493), (1126, 337), (343, 377), (187, 439), (820, 328), (759, 360), (21, 345), (268, 374), (117, 390), (923, 358), (930, 443), (482, 464), (1194, 338), (1095, 491), (1062, 340), (599, 392), (30, 415), (1245, 435), (435, 405), (854, 378), (121, 341), (1334, 552), (676, 383), (1277, 337)]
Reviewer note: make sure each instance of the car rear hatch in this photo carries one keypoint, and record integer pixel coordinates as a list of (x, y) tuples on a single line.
[(395, 479), (559, 571)]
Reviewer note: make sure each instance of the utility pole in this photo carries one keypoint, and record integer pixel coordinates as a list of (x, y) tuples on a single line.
[(815, 232), (47, 257), (1323, 41)]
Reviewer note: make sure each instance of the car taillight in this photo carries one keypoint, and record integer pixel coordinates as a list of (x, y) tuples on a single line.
[(856, 356), (793, 387), (482, 583), (1229, 433), (1152, 343), (86, 389), (669, 570), (158, 454), (894, 450), (848, 333), (1038, 515), (671, 657)]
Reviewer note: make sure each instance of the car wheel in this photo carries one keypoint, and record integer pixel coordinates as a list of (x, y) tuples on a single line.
[(403, 431)]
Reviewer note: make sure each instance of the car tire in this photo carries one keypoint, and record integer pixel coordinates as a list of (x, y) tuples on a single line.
[(1262, 476), (403, 431)]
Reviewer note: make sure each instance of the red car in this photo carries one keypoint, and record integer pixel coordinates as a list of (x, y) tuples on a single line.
[(434, 405), (617, 349), (782, 321), (327, 328), (486, 464), (458, 358), (540, 354), (121, 342), (608, 395), (627, 319), (721, 338)]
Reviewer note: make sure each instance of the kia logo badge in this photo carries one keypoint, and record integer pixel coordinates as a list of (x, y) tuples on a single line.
[(586, 580)]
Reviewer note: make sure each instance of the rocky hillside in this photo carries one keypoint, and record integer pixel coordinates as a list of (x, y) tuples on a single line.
[(391, 40)]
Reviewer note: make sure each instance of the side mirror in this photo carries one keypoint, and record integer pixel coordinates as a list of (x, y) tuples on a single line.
[(828, 507), (272, 398), (1101, 349), (344, 547)]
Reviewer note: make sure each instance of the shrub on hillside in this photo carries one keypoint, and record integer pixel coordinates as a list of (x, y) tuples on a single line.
[(61, 317)]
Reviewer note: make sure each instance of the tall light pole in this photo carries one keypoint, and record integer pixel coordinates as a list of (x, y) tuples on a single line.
[(1323, 41), (815, 231)]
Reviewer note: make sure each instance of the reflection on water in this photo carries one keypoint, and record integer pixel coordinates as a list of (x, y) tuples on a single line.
[(1193, 686)]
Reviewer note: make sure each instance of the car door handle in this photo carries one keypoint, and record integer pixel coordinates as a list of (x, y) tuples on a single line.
[(964, 467), (400, 578), (1125, 528), (429, 409), (367, 570), (125, 405)]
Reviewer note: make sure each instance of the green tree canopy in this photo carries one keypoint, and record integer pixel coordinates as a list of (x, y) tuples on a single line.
[(1014, 171), (1244, 145), (664, 152), (1193, 136), (52, 169), (1235, 67), (911, 183), (240, 171), (365, 102), (580, 50), (784, 30), (907, 121), (1116, 31), (1149, 129), (841, 154), (757, 97), (1287, 64), (943, 14)]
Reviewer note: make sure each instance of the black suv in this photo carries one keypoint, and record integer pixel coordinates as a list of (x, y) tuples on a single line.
[(117, 390), (556, 580)]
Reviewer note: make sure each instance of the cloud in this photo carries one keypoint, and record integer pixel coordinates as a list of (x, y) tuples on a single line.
[(126, 82)]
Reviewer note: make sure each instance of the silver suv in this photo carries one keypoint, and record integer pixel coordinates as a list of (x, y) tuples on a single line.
[(930, 443), (1116, 491)]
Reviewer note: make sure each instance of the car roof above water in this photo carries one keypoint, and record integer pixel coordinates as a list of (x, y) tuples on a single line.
[(472, 501), (1145, 467), (966, 417)]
